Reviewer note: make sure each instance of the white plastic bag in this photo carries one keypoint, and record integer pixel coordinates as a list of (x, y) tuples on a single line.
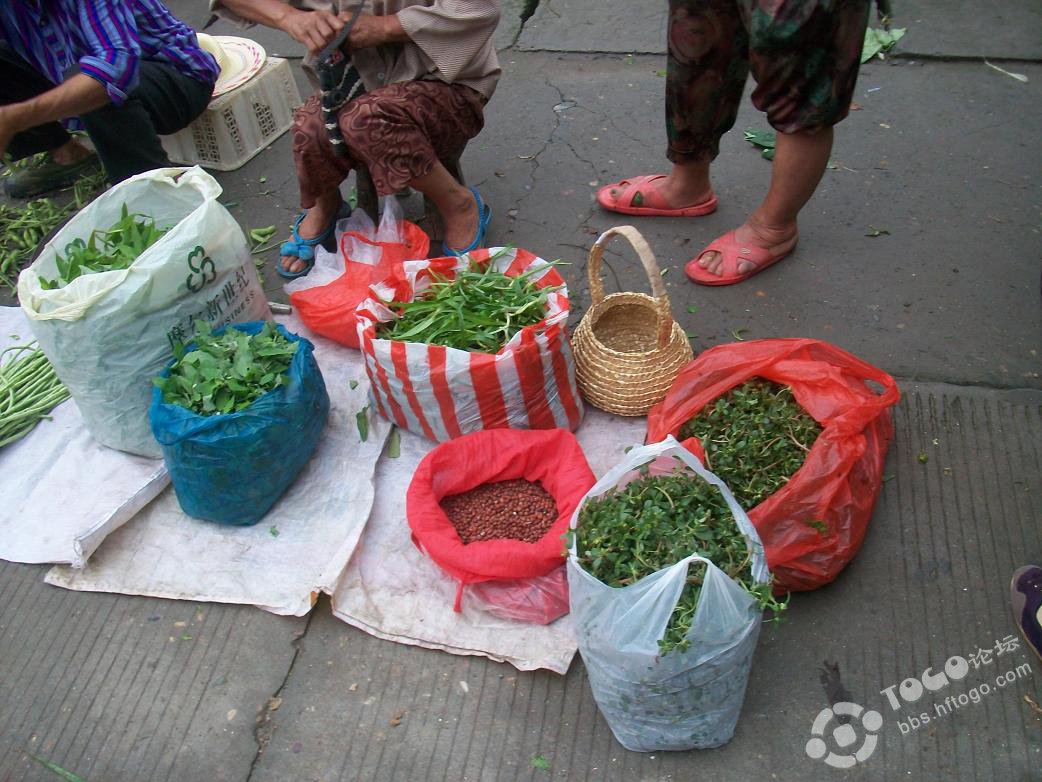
[(109, 333), (682, 700), (330, 265)]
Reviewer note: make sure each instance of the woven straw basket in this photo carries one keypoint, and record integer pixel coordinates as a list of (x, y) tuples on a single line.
[(628, 349)]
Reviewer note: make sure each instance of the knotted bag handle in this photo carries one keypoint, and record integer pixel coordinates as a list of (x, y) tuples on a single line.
[(647, 258)]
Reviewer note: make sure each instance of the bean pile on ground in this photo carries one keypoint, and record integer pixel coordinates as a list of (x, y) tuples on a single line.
[(517, 510)]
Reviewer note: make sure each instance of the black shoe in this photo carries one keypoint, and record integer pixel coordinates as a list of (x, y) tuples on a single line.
[(48, 175)]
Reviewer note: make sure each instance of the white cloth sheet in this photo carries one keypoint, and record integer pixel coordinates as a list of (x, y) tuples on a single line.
[(62, 492), (392, 591), (281, 564)]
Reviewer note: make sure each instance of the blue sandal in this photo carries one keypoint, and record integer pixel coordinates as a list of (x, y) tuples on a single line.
[(299, 247), (484, 216)]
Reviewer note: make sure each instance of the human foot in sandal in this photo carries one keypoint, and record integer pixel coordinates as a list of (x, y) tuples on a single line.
[(741, 253), (313, 227), (677, 194), (1026, 593)]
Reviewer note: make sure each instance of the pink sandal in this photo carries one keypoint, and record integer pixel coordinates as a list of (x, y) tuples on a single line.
[(640, 196), (732, 251)]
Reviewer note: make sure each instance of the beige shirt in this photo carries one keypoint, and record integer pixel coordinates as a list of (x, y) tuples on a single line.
[(451, 41)]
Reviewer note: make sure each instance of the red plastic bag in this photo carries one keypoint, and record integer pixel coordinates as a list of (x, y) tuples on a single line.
[(329, 310), (840, 480), (539, 600), (552, 457)]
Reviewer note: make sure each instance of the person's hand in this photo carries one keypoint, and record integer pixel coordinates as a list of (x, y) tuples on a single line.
[(314, 29), (369, 31)]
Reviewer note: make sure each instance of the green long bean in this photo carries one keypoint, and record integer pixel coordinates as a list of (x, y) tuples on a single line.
[(29, 390)]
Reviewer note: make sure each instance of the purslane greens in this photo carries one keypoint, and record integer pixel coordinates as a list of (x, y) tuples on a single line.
[(755, 437), (225, 373), (478, 310), (656, 521), (104, 251)]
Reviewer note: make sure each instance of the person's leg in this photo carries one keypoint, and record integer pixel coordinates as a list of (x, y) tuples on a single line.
[(164, 102), (401, 133), (68, 158), (706, 69), (805, 59), (320, 170)]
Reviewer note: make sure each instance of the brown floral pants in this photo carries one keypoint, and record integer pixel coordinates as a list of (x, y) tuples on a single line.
[(803, 54), (397, 132)]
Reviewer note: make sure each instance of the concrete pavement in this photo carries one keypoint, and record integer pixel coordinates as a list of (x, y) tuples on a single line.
[(943, 157)]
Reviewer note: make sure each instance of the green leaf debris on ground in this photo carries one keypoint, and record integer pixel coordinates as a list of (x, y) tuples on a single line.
[(756, 437), (362, 421), (226, 373), (765, 140), (394, 444), (260, 239), (24, 227), (56, 769), (654, 522), (540, 763), (878, 42)]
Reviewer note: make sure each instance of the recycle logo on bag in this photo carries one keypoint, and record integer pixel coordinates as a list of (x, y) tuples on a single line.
[(844, 734)]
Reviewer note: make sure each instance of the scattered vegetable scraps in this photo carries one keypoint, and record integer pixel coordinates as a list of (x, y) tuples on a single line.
[(877, 41), (479, 309), (654, 522), (226, 373), (764, 139), (105, 251), (755, 437)]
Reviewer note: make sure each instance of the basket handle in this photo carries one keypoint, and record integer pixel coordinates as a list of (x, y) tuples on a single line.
[(647, 258)]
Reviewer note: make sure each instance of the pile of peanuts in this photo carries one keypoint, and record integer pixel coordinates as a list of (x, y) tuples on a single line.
[(516, 510)]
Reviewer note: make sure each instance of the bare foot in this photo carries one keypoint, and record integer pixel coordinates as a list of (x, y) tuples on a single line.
[(72, 151), (461, 221), (755, 233), (316, 221)]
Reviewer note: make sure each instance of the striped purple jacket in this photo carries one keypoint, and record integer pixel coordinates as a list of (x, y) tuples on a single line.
[(105, 39)]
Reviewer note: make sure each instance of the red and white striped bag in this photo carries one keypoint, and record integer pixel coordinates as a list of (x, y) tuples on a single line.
[(443, 392)]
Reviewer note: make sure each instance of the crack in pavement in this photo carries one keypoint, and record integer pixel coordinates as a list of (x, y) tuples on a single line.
[(263, 729)]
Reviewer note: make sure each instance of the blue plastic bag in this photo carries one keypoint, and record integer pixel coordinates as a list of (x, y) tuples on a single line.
[(232, 468)]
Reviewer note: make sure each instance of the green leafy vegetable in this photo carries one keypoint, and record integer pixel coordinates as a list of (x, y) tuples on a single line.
[(226, 373), (540, 763), (755, 437), (394, 444), (104, 251), (480, 310), (879, 41), (654, 522)]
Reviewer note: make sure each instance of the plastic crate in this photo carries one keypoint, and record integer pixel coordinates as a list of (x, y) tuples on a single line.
[(239, 124)]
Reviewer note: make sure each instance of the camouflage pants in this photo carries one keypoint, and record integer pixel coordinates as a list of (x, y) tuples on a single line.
[(803, 54)]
